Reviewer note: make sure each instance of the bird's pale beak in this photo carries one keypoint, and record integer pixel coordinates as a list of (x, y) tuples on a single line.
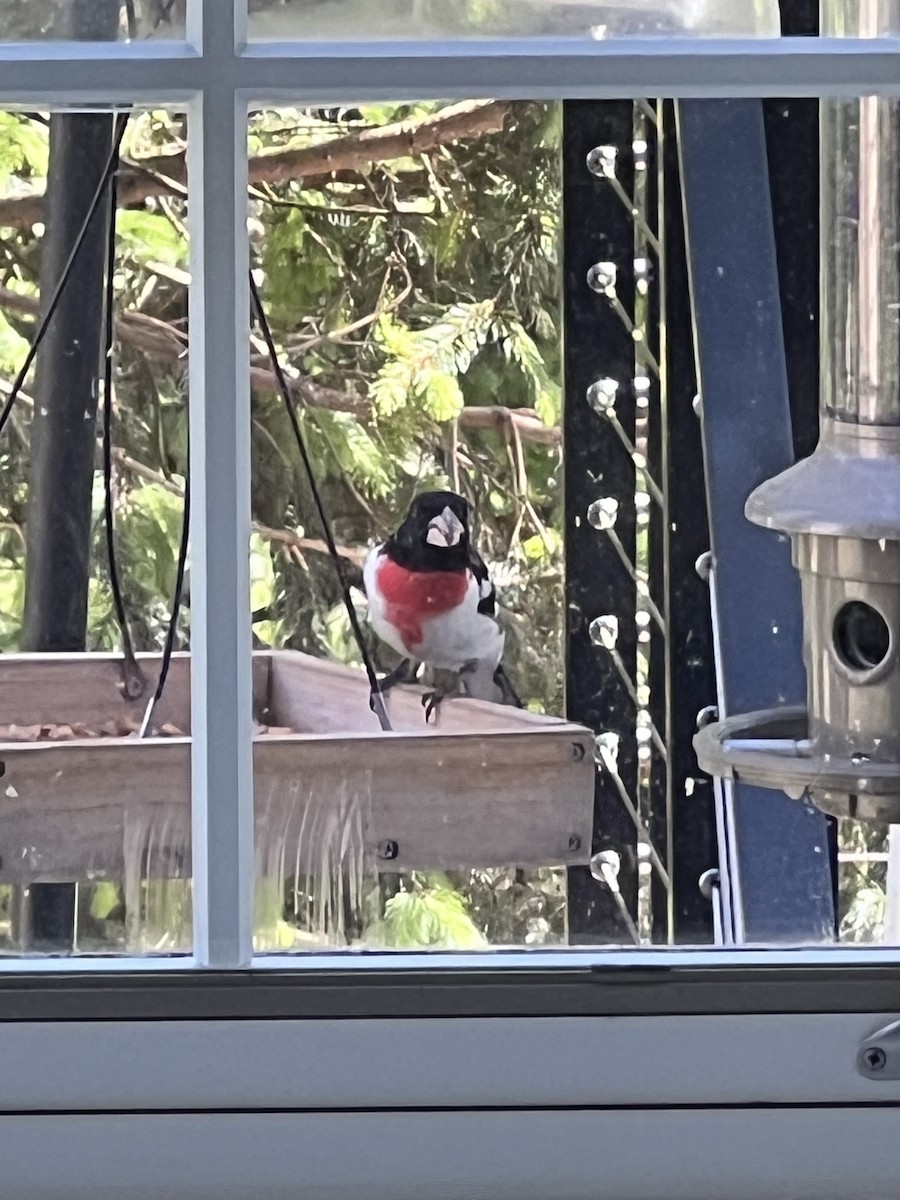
[(445, 530)]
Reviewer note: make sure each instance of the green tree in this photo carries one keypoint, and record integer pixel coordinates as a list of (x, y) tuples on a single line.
[(409, 264)]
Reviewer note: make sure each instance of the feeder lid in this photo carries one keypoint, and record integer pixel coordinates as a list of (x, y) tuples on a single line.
[(850, 487)]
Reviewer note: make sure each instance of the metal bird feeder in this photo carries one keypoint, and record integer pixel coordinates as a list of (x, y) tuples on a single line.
[(841, 506)]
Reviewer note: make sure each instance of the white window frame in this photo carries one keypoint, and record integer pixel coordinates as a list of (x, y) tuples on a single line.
[(632, 1074)]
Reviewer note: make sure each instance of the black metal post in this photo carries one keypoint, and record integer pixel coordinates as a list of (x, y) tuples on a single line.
[(63, 431), (597, 228)]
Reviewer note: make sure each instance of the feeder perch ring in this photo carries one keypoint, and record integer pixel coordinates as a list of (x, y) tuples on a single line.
[(772, 749)]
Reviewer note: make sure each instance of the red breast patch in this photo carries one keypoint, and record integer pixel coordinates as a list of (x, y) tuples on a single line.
[(411, 597)]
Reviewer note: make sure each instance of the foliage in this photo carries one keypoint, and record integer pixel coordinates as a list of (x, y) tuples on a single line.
[(427, 912), (412, 289), (863, 896), (409, 292)]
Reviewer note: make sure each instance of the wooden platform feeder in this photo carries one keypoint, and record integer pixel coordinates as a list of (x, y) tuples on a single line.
[(489, 786)]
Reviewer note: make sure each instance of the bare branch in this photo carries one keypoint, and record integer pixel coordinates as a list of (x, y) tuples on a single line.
[(162, 341), (167, 174), (285, 537), (528, 425)]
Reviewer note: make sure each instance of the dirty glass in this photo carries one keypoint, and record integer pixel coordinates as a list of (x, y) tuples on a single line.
[(90, 20), (95, 788), (412, 287), (414, 266), (357, 20)]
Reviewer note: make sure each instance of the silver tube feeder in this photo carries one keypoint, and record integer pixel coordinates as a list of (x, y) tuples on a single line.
[(841, 506)]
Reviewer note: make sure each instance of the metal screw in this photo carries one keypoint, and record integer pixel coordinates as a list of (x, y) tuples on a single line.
[(577, 751), (707, 715), (601, 161), (601, 277), (875, 1058), (709, 881), (388, 850), (574, 843)]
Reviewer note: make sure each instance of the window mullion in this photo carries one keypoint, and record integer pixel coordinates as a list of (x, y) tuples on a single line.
[(222, 772)]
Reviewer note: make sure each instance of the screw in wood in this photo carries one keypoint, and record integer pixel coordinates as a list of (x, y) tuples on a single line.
[(574, 843), (388, 850), (577, 751)]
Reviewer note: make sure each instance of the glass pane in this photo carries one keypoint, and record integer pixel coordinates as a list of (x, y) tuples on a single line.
[(95, 825), (436, 278), (403, 294), (90, 20), (359, 20), (417, 297)]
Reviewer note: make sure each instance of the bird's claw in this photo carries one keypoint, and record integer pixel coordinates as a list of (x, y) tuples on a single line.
[(430, 702)]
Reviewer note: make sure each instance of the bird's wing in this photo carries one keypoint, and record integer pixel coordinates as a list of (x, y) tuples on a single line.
[(487, 593)]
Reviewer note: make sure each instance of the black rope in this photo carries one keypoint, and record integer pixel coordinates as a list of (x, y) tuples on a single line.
[(376, 698), (165, 13), (133, 676), (44, 324), (169, 646)]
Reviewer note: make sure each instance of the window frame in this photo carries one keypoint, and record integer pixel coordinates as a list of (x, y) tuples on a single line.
[(569, 1006), (218, 75)]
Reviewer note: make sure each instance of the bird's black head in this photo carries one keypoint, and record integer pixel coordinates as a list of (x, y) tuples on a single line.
[(435, 534)]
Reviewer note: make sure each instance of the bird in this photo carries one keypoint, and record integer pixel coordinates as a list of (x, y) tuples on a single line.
[(431, 599)]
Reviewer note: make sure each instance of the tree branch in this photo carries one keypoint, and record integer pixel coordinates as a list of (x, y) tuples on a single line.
[(285, 537), (313, 164), (527, 424), (162, 341)]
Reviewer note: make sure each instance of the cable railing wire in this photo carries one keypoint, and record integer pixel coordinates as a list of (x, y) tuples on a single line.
[(65, 275), (376, 697), (133, 677)]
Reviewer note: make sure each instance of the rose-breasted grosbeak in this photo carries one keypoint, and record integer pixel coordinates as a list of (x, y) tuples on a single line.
[(431, 599)]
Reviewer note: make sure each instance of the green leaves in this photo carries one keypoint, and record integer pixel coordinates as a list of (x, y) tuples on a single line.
[(13, 348), (434, 918), (541, 390), (12, 599), (425, 364), (148, 536), (402, 291), (442, 397), (150, 238), (263, 591), (357, 452), (23, 147)]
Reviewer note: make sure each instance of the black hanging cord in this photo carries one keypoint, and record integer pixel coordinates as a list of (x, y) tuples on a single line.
[(376, 697), (44, 324), (133, 677), (176, 607)]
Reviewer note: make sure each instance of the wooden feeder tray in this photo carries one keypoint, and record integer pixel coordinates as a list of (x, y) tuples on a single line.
[(81, 795)]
